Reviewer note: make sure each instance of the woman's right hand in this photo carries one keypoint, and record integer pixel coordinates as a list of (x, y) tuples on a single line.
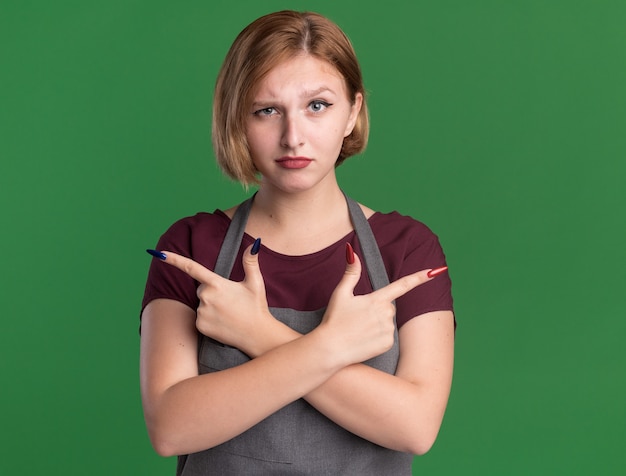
[(233, 313), (363, 326)]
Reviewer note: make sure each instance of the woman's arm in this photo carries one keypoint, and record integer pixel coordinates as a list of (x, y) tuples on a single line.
[(186, 412), (402, 411)]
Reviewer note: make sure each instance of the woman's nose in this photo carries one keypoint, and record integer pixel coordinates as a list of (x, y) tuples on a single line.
[(292, 134)]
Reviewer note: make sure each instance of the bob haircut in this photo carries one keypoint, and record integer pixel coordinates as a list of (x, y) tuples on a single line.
[(262, 45)]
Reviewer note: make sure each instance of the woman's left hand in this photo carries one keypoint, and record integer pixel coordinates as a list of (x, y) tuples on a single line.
[(229, 312)]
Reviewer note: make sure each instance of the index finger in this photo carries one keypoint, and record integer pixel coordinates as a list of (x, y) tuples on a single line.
[(405, 284), (186, 265)]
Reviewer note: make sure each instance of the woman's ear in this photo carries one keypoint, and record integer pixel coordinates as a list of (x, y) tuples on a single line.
[(354, 114)]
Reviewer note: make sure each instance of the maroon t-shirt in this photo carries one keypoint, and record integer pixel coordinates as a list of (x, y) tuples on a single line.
[(305, 283)]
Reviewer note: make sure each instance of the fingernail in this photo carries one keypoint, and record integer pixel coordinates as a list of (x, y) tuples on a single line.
[(349, 254), (256, 246), (436, 272), (157, 254)]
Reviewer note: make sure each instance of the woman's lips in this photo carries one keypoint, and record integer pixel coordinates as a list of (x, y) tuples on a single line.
[(293, 162)]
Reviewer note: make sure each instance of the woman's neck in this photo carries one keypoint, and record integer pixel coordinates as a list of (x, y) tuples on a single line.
[(313, 206), (299, 223)]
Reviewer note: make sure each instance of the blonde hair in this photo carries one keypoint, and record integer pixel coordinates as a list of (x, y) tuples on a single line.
[(261, 46)]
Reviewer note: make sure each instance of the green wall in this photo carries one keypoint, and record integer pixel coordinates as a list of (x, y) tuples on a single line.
[(501, 124)]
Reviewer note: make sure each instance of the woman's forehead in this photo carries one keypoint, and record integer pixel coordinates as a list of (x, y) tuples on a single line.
[(305, 73)]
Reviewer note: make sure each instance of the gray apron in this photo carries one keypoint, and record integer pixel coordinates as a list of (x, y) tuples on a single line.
[(297, 439)]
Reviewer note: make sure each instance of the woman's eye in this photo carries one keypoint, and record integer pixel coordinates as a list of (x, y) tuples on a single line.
[(318, 106), (266, 111)]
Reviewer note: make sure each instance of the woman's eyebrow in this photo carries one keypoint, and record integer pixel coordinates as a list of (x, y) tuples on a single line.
[(315, 92)]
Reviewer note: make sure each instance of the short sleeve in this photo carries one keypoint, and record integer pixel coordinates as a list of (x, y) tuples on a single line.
[(408, 246), (168, 282), (435, 295)]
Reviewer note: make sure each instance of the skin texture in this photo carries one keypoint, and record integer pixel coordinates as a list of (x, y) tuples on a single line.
[(301, 110)]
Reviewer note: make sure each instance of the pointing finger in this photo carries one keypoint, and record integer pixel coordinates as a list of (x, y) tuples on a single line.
[(407, 283), (187, 265)]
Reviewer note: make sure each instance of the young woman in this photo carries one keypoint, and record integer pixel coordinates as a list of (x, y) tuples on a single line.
[(328, 348)]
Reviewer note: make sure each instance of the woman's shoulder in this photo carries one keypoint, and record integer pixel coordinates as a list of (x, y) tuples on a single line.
[(396, 224), (202, 224)]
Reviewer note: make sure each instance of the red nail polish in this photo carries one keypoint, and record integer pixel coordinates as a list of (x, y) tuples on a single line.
[(349, 254), (435, 272)]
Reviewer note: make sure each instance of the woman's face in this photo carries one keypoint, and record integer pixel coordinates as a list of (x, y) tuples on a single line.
[(299, 117)]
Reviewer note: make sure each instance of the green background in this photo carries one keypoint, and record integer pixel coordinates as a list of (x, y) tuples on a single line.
[(501, 124)]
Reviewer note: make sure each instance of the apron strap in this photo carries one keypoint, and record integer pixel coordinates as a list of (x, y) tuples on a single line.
[(372, 258), (232, 240), (371, 254)]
